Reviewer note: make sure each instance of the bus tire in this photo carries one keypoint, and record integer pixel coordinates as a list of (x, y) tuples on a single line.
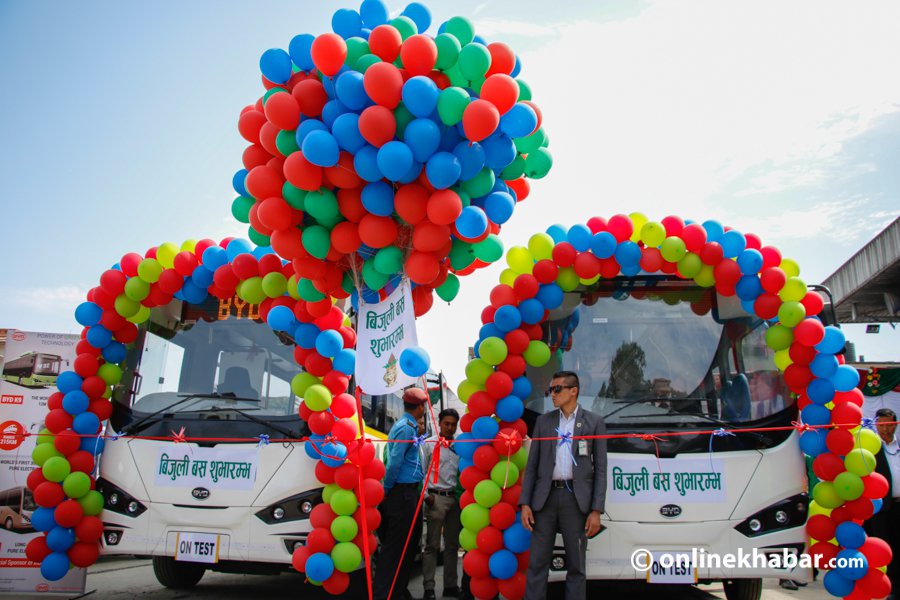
[(743, 589), (177, 575)]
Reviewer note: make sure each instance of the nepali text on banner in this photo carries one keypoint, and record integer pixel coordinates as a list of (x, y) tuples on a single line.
[(385, 329)]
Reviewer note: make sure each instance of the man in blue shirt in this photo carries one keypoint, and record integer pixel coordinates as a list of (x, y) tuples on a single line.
[(404, 474)]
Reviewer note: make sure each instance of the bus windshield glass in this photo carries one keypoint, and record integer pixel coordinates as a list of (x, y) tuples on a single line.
[(46, 364), (662, 353)]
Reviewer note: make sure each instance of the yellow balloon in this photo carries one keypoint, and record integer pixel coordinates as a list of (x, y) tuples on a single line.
[(705, 277), (165, 254), (142, 315), (567, 279), (466, 388), (638, 220), (783, 359), (794, 289), (790, 267), (867, 439), (541, 246), (816, 509), (590, 281), (520, 260), (508, 277), (188, 245), (653, 234), (292, 287)]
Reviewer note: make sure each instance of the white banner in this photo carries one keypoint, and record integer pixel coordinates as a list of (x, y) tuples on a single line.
[(212, 468), (666, 480), (32, 362), (385, 329)]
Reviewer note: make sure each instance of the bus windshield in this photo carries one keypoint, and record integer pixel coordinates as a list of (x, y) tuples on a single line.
[(46, 364), (214, 365), (654, 353)]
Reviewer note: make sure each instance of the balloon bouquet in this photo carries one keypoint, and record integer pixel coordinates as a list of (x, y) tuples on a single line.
[(769, 286), (376, 152)]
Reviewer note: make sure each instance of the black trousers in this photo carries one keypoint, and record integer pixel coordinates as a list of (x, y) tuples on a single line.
[(397, 517), (886, 525)]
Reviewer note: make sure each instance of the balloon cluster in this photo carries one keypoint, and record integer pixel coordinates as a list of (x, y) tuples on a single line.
[(713, 256), (380, 150), (67, 447)]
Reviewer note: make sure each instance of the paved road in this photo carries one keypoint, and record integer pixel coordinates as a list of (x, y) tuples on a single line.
[(124, 579)]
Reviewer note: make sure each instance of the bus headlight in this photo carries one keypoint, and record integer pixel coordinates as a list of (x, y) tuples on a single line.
[(118, 500), (306, 507), (113, 499), (788, 513), (754, 525), (781, 517), (293, 508), (132, 507), (278, 513)]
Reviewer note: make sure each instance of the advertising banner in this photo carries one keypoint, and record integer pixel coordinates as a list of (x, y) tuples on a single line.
[(32, 362), (212, 468), (385, 329), (666, 480)]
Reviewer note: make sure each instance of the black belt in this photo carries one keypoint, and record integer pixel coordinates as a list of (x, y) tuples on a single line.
[(562, 483), (442, 492), (405, 485)]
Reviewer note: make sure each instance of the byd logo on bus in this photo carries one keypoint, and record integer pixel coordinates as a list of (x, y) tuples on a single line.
[(11, 435)]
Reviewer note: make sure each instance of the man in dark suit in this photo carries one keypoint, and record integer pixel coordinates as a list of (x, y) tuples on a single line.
[(886, 522), (564, 487)]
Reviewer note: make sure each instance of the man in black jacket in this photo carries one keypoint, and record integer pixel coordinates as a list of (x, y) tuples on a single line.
[(886, 522)]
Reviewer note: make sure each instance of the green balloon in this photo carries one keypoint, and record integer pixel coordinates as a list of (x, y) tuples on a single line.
[(56, 468), (461, 28), (487, 493), (405, 25), (91, 503), (76, 484), (524, 90), (258, 238), (690, 265), (448, 48), (240, 208), (493, 350), (343, 502), (317, 241), (344, 528), (848, 486), (448, 290), (505, 473), (149, 270), (271, 92), (513, 170), (250, 290), (45, 436), (388, 260), (110, 373), (673, 249), (568, 279), (791, 313), (286, 141), (860, 462), (323, 207), (474, 61), (328, 492), (346, 557), (308, 291), (537, 354), (779, 337), (356, 48), (488, 250), (478, 369), (452, 103), (403, 117), (137, 289), (317, 397), (520, 458), (825, 495), (43, 452), (347, 283), (365, 61), (706, 277), (530, 143), (538, 163), (476, 84), (457, 79), (274, 284), (481, 184), (468, 540), (461, 254), (475, 517), (372, 277), (301, 382)]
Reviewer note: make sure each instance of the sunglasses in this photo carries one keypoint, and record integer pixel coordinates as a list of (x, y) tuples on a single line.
[(555, 389)]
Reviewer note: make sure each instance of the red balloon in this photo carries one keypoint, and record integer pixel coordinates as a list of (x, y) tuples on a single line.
[(362, 454), (419, 54), (472, 476), (345, 430), (813, 303), (824, 550), (839, 441), (501, 90), (586, 265), (875, 583), (712, 253), (502, 294), (514, 366), (298, 558), (89, 529), (373, 491), (422, 267), (410, 201), (489, 540), (564, 254), (81, 461), (480, 119), (476, 563), (526, 286), (855, 396), (820, 527), (347, 476), (301, 173), (875, 485), (466, 499), (694, 237), (35, 478), (67, 442), (514, 587), (423, 299), (771, 256), (321, 516), (772, 279), (385, 42), (337, 584), (377, 125), (374, 470), (846, 415), (249, 124), (48, 494), (283, 111), (377, 232), (503, 59), (343, 406), (428, 237), (621, 227), (84, 554), (443, 207), (328, 52), (651, 260), (507, 442), (129, 263), (545, 271), (499, 385), (481, 404), (320, 422), (37, 550), (483, 588), (486, 457), (68, 513), (809, 332), (311, 97), (320, 540), (520, 186), (503, 515), (802, 355), (727, 272), (877, 551), (860, 509), (797, 377), (827, 466), (384, 83), (58, 420)]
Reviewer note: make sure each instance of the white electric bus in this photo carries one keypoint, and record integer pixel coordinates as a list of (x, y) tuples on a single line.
[(657, 355), (227, 501)]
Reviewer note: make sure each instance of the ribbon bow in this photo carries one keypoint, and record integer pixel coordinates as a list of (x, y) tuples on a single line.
[(867, 423), (418, 441), (720, 432), (442, 442), (566, 437), (263, 440), (801, 427), (179, 437), (649, 437)]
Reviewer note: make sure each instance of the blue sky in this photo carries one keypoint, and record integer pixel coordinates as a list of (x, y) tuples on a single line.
[(118, 123)]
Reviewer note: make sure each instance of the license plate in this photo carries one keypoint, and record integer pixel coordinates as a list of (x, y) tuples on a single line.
[(673, 566), (197, 547)]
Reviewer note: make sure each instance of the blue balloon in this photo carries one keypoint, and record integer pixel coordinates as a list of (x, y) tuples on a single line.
[(499, 151), (420, 96), (812, 442), (60, 539), (94, 445), (733, 243), (394, 160), (319, 566), (350, 91), (378, 198), (374, 13), (833, 342), (214, 257), (471, 222), (845, 378), (299, 49), (312, 446), (443, 170), (510, 408), (365, 163), (275, 65), (714, 231), (580, 237), (820, 391), (464, 447), (824, 365), (750, 261), (465, 463), (88, 314), (69, 381), (852, 564), (346, 131), (628, 254), (86, 423), (75, 402), (850, 535), (345, 361), (332, 110), (321, 149), (516, 538), (519, 121), (42, 519), (837, 585), (532, 311), (237, 182), (329, 343), (423, 137), (748, 287), (499, 207), (517, 68), (193, 293), (485, 428), (305, 335), (419, 14), (550, 295), (471, 159), (488, 330), (99, 336), (521, 387), (346, 22), (236, 247), (55, 566), (603, 244), (414, 361), (507, 318), (558, 233), (815, 414), (414, 171), (334, 454), (281, 318), (503, 564), (450, 137), (877, 503)]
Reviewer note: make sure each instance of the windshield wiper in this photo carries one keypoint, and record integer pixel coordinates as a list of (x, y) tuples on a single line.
[(626, 403), (730, 427), (288, 433), (144, 422)]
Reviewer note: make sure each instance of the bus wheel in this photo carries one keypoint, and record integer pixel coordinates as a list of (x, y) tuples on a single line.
[(8, 523), (743, 589), (177, 575)]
